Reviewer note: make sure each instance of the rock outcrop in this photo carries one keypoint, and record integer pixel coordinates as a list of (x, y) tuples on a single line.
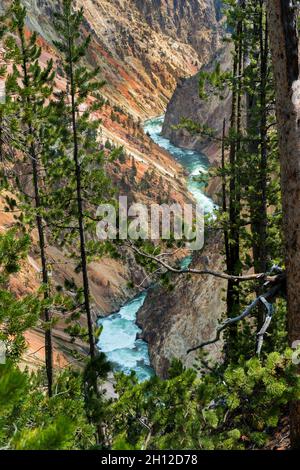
[(174, 321), (186, 103), (194, 22)]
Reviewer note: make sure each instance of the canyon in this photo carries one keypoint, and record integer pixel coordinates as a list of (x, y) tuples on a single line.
[(145, 50), (142, 48)]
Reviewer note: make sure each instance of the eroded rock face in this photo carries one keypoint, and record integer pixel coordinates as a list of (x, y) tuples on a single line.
[(186, 103), (142, 46), (193, 22), (175, 321)]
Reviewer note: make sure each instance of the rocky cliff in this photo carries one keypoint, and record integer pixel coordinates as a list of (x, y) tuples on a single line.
[(186, 103), (193, 22), (142, 47), (174, 321)]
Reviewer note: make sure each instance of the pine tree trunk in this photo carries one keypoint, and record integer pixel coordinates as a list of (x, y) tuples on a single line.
[(231, 289), (282, 18), (45, 278), (40, 227), (264, 53), (233, 259), (84, 265), (258, 201), (262, 260), (224, 192)]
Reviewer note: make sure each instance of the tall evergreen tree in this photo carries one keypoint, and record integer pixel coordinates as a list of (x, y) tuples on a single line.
[(233, 259), (31, 86), (256, 155), (85, 183)]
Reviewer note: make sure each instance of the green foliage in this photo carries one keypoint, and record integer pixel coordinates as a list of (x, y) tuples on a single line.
[(16, 315), (29, 420), (54, 437), (197, 128), (230, 406), (209, 82), (12, 250), (12, 386), (32, 85), (233, 409)]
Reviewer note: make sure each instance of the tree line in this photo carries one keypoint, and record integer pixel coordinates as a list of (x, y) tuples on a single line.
[(259, 181)]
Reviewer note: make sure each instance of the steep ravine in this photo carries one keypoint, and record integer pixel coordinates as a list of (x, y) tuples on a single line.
[(170, 322), (210, 112), (175, 320), (141, 59)]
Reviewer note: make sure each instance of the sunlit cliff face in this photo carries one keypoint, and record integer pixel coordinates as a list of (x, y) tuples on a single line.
[(142, 47)]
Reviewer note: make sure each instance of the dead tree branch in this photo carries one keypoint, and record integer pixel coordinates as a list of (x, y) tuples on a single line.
[(202, 272), (267, 300), (275, 280)]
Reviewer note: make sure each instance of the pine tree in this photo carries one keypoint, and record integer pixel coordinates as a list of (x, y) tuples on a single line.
[(83, 183), (256, 158), (233, 259), (16, 315), (29, 420), (32, 86), (250, 212), (79, 184)]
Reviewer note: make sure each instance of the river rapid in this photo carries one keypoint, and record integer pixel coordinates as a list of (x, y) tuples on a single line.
[(120, 332)]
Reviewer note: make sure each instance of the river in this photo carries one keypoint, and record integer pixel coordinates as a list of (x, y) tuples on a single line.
[(119, 336)]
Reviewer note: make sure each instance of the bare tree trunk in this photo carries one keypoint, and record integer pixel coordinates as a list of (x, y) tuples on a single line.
[(233, 258), (84, 263), (41, 230), (282, 17), (45, 277)]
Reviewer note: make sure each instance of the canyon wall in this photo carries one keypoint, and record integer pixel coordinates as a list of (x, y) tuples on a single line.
[(178, 319), (142, 47), (210, 112)]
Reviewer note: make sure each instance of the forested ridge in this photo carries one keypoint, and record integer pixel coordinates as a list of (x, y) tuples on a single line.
[(54, 174)]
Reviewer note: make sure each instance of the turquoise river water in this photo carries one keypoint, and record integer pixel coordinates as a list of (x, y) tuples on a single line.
[(120, 331)]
